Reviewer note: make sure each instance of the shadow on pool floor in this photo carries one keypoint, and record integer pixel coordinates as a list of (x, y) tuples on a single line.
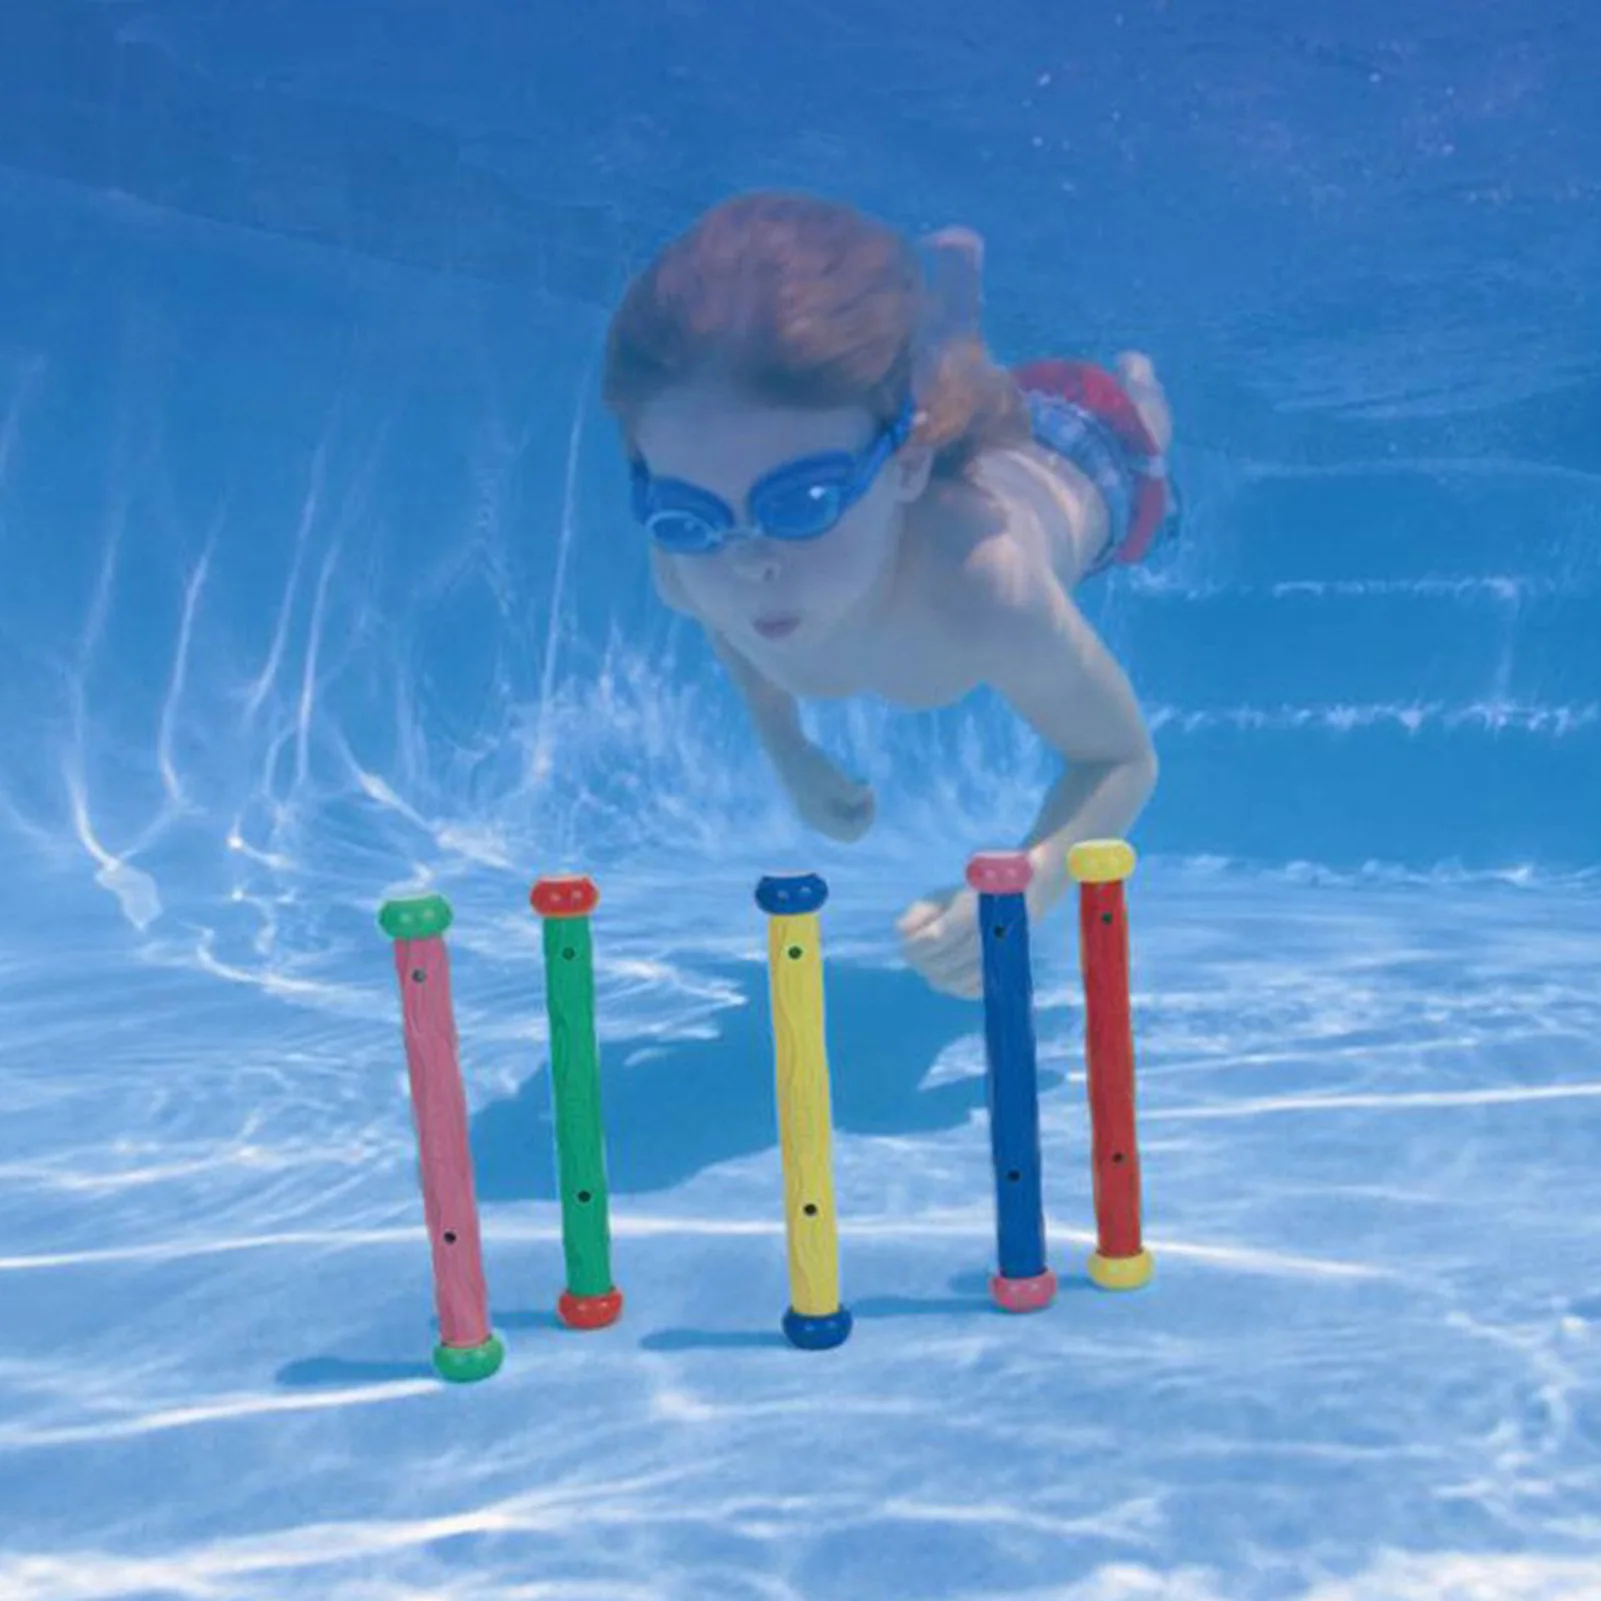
[(691, 1104)]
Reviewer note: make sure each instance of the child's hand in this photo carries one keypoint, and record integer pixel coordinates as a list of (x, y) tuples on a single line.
[(939, 937), (826, 799)]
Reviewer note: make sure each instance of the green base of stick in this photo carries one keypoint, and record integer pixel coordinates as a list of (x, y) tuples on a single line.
[(466, 1364), (417, 917)]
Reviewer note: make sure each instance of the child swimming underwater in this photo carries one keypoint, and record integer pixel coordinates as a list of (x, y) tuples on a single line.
[(851, 497)]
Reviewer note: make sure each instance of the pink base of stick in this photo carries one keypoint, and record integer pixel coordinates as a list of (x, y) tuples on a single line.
[(1024, 1295)]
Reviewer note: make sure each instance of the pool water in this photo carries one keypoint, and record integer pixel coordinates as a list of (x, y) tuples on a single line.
[(320, 587)]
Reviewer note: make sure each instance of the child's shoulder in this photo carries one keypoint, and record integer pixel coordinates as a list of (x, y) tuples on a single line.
[(1014, 525), (989, 553)]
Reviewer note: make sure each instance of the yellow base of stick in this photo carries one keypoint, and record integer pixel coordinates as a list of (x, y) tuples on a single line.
[(1101, 861), (1121, 1272)]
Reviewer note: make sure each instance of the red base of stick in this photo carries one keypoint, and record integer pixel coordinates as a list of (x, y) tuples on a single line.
[(590, 1311)]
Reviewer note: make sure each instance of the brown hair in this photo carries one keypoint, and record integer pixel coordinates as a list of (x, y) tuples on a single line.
[(804, 302)]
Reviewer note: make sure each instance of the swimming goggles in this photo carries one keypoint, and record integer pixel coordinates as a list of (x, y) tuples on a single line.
[(800, 500)]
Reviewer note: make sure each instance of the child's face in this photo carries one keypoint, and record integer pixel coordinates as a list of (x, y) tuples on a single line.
[(786, 594)]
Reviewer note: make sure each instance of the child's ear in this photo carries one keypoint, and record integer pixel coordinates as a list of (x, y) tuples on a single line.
[(913, 465)]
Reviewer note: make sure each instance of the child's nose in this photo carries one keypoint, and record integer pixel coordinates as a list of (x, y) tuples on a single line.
[(756, 558)]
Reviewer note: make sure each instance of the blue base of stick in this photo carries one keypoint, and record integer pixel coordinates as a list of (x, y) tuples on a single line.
[(810, 1333)]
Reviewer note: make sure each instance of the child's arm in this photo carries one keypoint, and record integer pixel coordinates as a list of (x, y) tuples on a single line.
[(1057, 675), (773, 711), (826, 799), (1035, 649)]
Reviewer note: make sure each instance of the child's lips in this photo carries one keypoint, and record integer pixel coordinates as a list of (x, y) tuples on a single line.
[(777, 625)]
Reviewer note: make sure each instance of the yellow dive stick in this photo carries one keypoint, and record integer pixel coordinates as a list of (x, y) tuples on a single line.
[(815, 1320)]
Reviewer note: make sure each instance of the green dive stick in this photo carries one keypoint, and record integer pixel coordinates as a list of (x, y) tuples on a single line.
[(591, 1300)]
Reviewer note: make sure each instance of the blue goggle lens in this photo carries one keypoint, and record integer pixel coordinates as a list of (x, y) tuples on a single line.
[(685, 533), (679, 517), (799, 509)]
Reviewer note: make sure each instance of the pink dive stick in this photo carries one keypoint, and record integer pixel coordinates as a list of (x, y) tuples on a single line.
[(468, 1349)]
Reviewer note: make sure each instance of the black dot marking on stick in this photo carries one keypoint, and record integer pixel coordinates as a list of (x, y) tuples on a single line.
[(417, 975), (1106, 917), (811, 1209), (568, 954), (795, 953), (1000, 931), (450, 1236), (584, 1196), (1117, 1156), (1014, 1177)]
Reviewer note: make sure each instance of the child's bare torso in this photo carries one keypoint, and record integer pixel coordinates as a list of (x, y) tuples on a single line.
[(1024, 504)]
